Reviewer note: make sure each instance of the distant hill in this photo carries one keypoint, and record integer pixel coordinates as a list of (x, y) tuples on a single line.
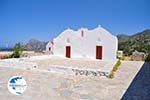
[(122, 38), (35, 45), (139, 41)]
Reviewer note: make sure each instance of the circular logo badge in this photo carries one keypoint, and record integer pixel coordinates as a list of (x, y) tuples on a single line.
[(17, 85)]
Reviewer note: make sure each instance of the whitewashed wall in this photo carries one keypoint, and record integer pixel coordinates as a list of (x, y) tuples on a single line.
[(85, 47)]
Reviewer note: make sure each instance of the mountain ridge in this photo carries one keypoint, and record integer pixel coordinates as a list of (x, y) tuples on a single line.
[(139, 41), (35, 45)]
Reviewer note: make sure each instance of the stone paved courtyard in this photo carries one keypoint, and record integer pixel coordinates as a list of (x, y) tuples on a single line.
[(57, 86)]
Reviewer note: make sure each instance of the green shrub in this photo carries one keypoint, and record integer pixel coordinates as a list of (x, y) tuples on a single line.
[(17, 51), (115, 68), (111, 75)]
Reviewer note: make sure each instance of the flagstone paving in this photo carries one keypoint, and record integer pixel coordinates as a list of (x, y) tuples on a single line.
[(58, 86)]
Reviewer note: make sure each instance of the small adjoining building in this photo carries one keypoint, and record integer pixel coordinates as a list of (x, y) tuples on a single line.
[(97, 43), (120, 54)]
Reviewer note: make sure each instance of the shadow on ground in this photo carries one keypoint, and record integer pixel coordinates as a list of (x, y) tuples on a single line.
[(139, 89)]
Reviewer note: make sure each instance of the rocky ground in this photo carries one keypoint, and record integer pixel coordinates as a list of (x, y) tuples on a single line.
[(58, 86)]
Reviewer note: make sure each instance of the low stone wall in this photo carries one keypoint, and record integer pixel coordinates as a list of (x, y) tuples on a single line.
[(78, 71), (88, 72)]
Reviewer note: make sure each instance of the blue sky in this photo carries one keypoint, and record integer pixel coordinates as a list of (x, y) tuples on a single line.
[(21, 20)]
